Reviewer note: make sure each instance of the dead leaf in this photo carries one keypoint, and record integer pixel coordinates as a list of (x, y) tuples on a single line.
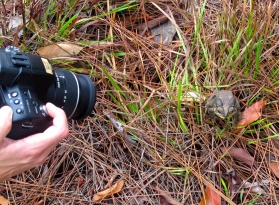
[(210, 198), (240, 154), (274, 166), (164, 33), (251, 114), (254, 187), (59, 50), (14, 26), (117, 187), (80, 181), (165, 198), (4, 201), (192, 96)]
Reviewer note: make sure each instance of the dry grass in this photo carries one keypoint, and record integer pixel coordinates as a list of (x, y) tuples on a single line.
[(141, 88)]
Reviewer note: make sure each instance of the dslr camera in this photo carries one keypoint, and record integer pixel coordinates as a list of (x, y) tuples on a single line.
[(28, 82)]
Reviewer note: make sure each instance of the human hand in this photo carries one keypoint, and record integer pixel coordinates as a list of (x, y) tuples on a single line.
[(17, 156)]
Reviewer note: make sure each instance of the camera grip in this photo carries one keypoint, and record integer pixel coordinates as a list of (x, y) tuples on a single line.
[(29, 113), (19, 130)]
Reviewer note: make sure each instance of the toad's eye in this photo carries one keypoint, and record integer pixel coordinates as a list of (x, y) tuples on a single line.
[(220, 110), (232, 110), (232, 102), (218, 102)]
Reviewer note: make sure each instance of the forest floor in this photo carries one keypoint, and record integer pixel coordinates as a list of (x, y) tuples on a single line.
[(149, 140)]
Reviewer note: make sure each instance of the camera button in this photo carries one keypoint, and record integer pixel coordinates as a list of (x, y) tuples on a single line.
[(34, 103), (14, 94), (19, 111), (16, 101)]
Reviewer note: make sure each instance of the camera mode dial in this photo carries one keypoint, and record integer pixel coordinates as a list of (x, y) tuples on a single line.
[(43, 110)]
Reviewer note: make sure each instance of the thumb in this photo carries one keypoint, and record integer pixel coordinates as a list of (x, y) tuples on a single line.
[(6, 114)]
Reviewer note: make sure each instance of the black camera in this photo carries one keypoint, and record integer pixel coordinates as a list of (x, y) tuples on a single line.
[(28, 82)]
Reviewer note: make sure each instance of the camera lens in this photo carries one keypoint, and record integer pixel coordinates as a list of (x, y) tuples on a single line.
[(74, 93)]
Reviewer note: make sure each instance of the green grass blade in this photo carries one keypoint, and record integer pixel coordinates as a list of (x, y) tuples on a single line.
[(235, 47), (225, 187), (113, 82), (129, 5), (64, 30), (258, 56), (179, 97)]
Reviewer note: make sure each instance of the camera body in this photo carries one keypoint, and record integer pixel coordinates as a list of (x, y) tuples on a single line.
[(29, 113), (28, 82)]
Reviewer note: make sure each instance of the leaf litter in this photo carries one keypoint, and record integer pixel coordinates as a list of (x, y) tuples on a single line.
[(164, 33), (4, 201), (274, 166), (115, 188), (210, 197), (59, 50), (251, 114), (91, 152), (165, 198), (238, 153)]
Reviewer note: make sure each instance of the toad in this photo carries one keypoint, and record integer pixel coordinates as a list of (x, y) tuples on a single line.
[(223, 104)]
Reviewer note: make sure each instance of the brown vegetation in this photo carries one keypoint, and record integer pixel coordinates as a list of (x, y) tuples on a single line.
[(165, 145)]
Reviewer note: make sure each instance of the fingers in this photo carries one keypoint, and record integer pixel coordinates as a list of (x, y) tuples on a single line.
[(6, 114), (60, 123), (23, 154), (40, 145), (55, 133), (56, 113), (52, 135)]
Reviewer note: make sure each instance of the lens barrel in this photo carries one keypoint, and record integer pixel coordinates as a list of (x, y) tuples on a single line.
[(74, 93)]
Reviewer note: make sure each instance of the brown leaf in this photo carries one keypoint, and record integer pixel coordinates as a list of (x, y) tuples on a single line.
[(165, 198), (4, 201), (274, 166), (210, 198), (251, 113), (117, 187), (80, 181), (59, 50), (240, 154), (254, 187)]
